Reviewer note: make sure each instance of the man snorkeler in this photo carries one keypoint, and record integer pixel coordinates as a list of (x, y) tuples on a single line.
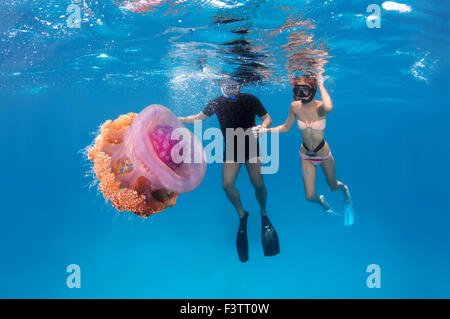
[(236, 111)]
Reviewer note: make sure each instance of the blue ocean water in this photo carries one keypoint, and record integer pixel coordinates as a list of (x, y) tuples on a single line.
[(388, 133)]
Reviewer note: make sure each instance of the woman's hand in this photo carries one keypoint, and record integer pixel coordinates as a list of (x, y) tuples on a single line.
[(327, 104), (319, 77)]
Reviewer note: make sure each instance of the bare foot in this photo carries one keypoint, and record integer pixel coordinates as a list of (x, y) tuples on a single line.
[(347, 197), (326, 207)]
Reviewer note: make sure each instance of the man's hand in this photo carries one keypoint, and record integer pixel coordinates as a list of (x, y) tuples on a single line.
[(192, 119), (258, 131)]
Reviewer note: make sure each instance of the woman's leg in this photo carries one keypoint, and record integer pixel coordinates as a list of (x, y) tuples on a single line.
[(329, 169), (229, 174), (309, 181)]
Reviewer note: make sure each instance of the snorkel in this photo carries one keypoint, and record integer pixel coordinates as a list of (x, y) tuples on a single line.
[(225, 95)]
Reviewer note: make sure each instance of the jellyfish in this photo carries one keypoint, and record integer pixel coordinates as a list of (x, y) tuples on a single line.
[(133, 160)]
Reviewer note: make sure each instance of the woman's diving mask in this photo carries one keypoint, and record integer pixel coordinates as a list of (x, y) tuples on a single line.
[(305, 93)]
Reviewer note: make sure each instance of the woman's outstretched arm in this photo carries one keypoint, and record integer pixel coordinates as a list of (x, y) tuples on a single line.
[(286, 127)]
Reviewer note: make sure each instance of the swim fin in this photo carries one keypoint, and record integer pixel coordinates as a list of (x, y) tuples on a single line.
[(242, 240), (349, 211), (269, 236)]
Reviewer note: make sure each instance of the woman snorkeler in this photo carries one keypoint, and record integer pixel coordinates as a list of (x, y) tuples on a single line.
[(311, 118)]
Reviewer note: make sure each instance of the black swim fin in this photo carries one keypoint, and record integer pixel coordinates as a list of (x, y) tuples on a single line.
[(269, 236), (242, 240)]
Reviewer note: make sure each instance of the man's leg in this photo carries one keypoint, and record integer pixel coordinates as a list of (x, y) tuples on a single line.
[(254, 172), (229, 174), (269, 236)]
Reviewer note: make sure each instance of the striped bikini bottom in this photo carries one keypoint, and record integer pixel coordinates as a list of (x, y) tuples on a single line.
[(316, 160)]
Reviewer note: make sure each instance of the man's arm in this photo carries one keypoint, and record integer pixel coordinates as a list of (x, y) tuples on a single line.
[(267, 120), (262, 113), (191, 119), (279, 129)]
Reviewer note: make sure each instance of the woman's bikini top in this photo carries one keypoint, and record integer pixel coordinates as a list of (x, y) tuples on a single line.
[(315, 125)]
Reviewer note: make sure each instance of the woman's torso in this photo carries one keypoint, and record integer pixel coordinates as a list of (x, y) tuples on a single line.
[(312, 126)]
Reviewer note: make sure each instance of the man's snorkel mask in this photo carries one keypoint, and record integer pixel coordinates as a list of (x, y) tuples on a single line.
[(304, 88), (230, 89)]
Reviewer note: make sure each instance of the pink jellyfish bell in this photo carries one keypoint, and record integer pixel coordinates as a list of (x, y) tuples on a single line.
[(144, 161)]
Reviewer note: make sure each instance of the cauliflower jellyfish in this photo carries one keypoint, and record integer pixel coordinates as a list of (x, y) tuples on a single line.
[(136, 159)]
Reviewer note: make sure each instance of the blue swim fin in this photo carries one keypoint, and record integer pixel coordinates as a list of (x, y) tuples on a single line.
[(349, 210), (349, 214)]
